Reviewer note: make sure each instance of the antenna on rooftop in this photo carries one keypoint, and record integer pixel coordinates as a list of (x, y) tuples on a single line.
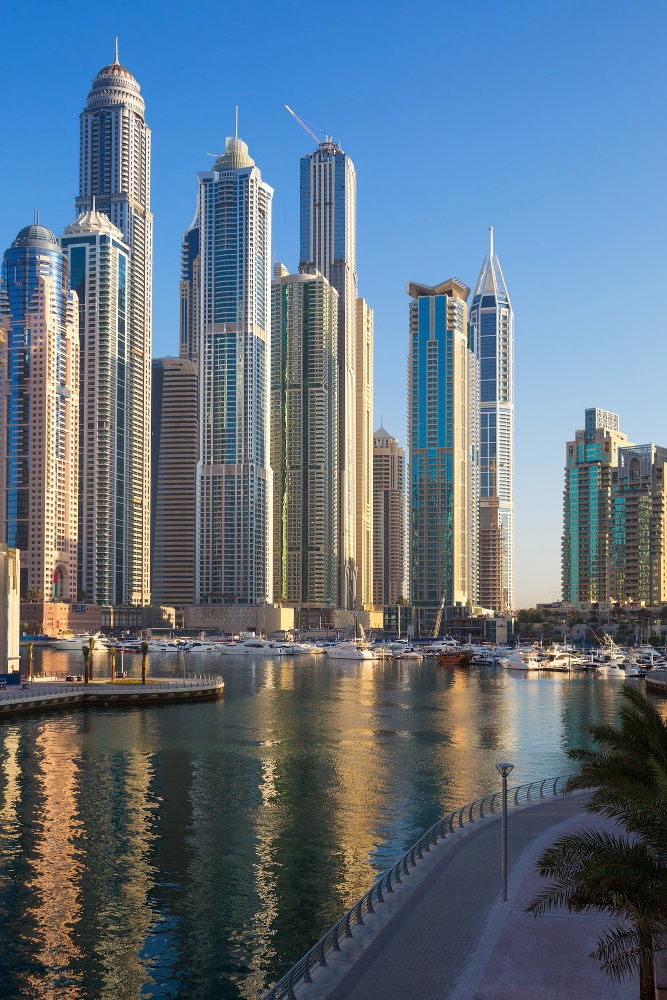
[(36, 216), (236, 121), (116, 59)]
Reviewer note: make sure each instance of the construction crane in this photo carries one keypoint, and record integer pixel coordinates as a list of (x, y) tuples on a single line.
[(304, 126)]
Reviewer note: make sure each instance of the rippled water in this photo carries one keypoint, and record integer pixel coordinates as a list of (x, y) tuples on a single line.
[(196, 851)]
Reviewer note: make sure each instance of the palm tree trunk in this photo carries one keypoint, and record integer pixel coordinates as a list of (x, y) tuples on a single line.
[(646, 973)]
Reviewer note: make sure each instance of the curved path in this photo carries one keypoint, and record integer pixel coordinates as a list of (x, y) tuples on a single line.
[(445, 932)]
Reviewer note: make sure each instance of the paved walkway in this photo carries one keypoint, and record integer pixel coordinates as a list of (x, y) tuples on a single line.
[(445, 933)]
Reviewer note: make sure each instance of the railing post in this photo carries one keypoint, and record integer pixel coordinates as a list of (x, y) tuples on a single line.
[(542, 788), (380, 897), (360, 919), (322, 959), (336, 946), (306, 972), (398, 873), (369, 902)]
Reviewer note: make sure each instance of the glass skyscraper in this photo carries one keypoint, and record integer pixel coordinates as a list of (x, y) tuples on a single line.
[(114, 178), (98, 265), (589, 461), (233, 558), (491, 314), (328, 242), (442, 440), (39, 419)]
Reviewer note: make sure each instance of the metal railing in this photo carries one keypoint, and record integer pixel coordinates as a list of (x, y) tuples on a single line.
[(317, 956)]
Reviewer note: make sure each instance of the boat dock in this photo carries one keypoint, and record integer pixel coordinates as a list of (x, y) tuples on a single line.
[(46, 696)]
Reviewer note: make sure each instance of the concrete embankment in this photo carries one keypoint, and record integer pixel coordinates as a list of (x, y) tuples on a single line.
[(46, 696)]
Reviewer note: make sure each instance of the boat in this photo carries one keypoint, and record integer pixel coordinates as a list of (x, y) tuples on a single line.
[(352, 650), (453, 656), (620, 668), (407, 653), (522, 660), (256, 647), (77, 642)]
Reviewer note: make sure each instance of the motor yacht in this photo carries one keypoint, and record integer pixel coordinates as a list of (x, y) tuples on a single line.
[(620, 668), (522, 660), (407, 653), (352, 650), (77, 642), (256, 647)]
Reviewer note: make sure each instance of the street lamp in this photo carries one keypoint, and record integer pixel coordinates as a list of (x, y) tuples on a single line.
[(503, 770)]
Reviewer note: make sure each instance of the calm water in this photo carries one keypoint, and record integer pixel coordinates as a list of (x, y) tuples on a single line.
[(196, 851)]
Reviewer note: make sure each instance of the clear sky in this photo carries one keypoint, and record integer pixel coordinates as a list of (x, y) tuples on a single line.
[(546, 121)]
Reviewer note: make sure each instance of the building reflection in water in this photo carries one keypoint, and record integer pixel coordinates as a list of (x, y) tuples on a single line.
[(191, 852)]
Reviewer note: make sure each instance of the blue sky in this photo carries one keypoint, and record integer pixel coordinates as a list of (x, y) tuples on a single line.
[(544, 120)]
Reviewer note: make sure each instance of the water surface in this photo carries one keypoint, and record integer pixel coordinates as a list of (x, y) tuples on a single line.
[(196, 851)]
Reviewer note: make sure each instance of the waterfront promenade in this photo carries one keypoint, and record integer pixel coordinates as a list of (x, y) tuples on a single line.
[(47, 696), (445, 932)]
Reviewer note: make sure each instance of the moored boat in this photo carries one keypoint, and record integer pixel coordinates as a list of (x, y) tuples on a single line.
[(453, 657)]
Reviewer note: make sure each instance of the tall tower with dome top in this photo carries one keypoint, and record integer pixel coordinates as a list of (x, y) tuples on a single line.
[(114, 179)]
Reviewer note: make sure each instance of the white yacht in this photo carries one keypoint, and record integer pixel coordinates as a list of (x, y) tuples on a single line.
[(407, 653), (620, 668), (353, 650), (256, 647), (77, 642), (522, 660)]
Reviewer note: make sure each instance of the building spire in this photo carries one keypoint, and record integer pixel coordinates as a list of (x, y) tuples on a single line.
[(116, 63), (490, 243)]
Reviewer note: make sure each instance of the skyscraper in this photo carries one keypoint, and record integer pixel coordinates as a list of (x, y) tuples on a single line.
[(491, 313), (638, 525), (190, 292), (114, 171), (589, 461), (364, 451), (389, 520), (304, 438), (233, 473), (442, 429), (328, 242), (39, 419), (174, 453), (98, 266)]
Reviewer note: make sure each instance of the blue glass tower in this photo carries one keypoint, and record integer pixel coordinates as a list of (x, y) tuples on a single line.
[(39, 414), (491, 313), (233, 560), (442, 428)]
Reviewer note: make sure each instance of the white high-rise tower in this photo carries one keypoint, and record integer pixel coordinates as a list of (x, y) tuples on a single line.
[(114, 178), (233, 556), (491, 313), (328, 242)]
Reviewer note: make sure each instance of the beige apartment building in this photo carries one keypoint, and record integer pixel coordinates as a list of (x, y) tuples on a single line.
[(389, 520), (304, 437), (638, 526), (174, 452), (364, 452)]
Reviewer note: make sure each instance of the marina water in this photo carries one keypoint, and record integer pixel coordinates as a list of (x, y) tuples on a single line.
[(196, 851)]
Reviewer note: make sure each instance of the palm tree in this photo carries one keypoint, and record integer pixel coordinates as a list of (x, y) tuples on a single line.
[(623, 876), (144, 654)]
